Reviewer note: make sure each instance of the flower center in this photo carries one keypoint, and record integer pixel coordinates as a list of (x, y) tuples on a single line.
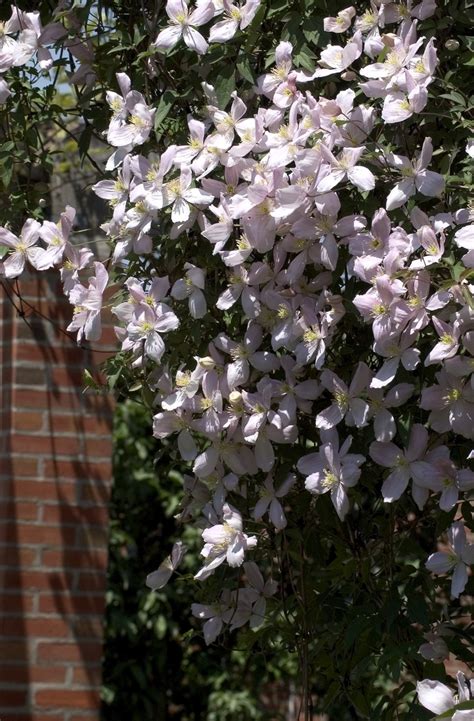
[(330, 479)]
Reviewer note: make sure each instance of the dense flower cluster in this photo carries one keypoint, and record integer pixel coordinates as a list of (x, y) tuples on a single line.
[(268, 192)]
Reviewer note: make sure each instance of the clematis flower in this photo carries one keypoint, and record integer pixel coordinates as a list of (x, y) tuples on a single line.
[(341, 22), (74, 260), (399, 106), (183, 24), (457, 559), (56, 236), (179, 194), (263, 589), (347, 401), (145, 330), (88, 304), (404, 465), (446, 478), (225, 542), (159, 578), (236, 16), (213, 615), (451, 403), (332, 469), (24, 248), (438, 698), (345, 166), (269, 501), (416, 177), (336, 59), (191, 287)]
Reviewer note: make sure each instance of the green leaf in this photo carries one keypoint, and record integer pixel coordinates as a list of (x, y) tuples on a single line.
[(85, 140), (164, 106), (464, 706), (244, 66), (225, 84)]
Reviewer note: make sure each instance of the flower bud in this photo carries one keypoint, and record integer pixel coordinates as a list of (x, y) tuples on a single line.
[(207, 362), (451, 45), (235, 400)]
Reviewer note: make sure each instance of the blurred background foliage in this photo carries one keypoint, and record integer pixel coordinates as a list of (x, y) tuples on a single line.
[(156, 664)]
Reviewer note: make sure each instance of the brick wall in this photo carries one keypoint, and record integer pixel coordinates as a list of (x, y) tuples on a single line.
[(55, 467)]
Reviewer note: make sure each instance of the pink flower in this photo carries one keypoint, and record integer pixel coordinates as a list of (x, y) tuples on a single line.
[(457, 559), (341, 22), (404, 465), (332, 469), (159, 578), (191, 287), (183, 24), (451, 403), (236, 16), (269, 501), (24, 248), (416, 175), (88, 304), (344, 166), (225, 542), (346, 399)]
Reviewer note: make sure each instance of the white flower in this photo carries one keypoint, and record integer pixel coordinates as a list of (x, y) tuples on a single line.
[(191, 287), (225, 542), (183, 24), (457, 559), (438, 698)]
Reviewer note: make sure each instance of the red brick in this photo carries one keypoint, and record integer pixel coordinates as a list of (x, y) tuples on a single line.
[(91, 582), (15, 603), (87, 604), (77, 470), (71, 377), (31, 351), (28, 420), (91, 537), (95, 492), (21, 511), (31, 674), (52, 698), (90, 652), (75, 559), (43, 535), (19, 466), (75, 514), (37, 580), (81, 423), (13, 715), (13, 650), (13, 698), (87, 676), (44, 490), (36, 627), (46, 445), (81, 717), (71, 399), (17, 556), (100, 448)]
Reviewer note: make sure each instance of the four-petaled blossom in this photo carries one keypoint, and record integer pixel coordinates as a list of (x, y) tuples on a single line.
[(24, 248), (415, 176), (438, 698), (225, 542), (87, 305), (457, 559), (183, 24), (332, 469)]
